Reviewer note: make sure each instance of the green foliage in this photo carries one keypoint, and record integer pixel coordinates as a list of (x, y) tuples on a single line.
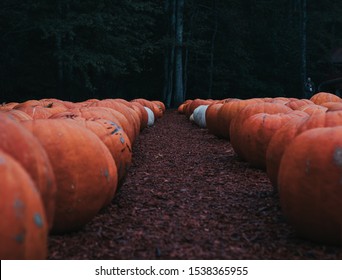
[(73, 43), (96, 49)]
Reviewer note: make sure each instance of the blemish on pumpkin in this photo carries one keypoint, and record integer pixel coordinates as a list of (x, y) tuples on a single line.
[(115, 125), (19, 207), (106, 174), (122, 140), (338, 156), (2, 160), (19, 238), (307, 166), (263, 119), (115, 131), (37, 218)]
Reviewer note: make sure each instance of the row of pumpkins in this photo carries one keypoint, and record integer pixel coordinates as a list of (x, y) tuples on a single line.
[(60, 163), (298, 142)]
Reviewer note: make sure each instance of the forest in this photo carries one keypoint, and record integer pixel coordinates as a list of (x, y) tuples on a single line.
[(170, 50)]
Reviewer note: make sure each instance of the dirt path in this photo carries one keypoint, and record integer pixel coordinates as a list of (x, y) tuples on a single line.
[(187, 196)]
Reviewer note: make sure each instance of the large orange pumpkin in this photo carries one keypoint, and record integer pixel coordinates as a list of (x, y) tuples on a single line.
[(278, 143), (18, 142), (183, 107), (295, 104), (18, 115), (85, 171), (115, 139), (41, 110), (322, 97), (279, 99), (194, 104), (157, 111), (124, 110), (333, 106), (27, 103), (255, 135), (142, 113), (160, 104), (312, 109), (37, 111), (103, 113), (211, 118), (7, 106), (310, 184), (281, 141), (226, 113), (23, 226), (246, 112), (328, 119)]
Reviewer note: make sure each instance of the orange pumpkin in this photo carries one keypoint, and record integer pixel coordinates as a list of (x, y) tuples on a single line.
[(115, 139), (37, 111), (255, 135), (18, 142), (211, 117), (157, 111), (280, 99), (112, 135), (27, 103), (296, 104), (312, 109), (85, 171), (328, 119), (322, 97), (41, 109), (53, 103), (103, 113), (18, 115), (310, 184), (246, 112), (123, 101), (160, 104), (23, 226), (123, 109), (7, 106), (278, 143), (228, 111), (194, 104), (333, 106), (182, 107), (142, 113)]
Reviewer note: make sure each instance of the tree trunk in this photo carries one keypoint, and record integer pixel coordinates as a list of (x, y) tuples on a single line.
[(170, 12), (303, 46), (186, 59), (212, 50), (179, 92), (60, 74), (166, 52)]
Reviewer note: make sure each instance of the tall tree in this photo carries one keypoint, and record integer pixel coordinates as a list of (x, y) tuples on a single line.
[(212, 48), (169, 54), (304, 46), (173, 91), (179, 91)]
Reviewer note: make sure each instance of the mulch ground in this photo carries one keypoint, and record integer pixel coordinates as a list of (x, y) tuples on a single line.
[(187, 196)]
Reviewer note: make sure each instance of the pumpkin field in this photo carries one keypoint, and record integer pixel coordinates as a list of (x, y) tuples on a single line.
[(246, 179)]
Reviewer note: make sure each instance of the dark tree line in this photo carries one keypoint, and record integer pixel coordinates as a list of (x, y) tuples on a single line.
[(169, 50)]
